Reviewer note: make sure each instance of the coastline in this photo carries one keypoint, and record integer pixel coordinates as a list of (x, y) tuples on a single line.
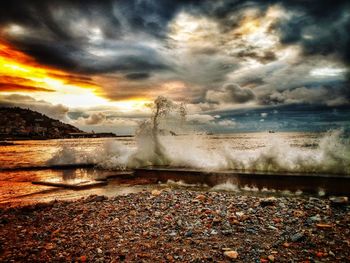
[(178, 225)]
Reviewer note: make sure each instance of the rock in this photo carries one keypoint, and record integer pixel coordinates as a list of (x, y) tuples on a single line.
[(200, 197), (99, 251), (133, 213), (271, 258), (269, 201), (96, 198), (232, 254), (298, 213), (189, 233), (213, 232), (156, 192), (286, 245), (227, 232), (297, 237), (49, 246), (272, 227), (339, 200), (320, 254), (324, 226), (315, 218)]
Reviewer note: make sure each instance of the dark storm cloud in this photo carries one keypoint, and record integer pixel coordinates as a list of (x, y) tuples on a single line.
[(137, 76), (54, 36), (230, 93), (132, 39), (321, 27)]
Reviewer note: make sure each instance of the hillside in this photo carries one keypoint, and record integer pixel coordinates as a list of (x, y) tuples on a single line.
[(17, 123)]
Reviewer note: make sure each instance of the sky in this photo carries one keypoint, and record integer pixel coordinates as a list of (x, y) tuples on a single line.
[(237, 65)]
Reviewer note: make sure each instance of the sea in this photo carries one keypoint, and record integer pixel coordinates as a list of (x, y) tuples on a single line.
[(87, 159)]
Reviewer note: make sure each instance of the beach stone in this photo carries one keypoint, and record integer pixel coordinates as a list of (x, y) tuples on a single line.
[(297, 237), (96, 198), (189, 233), (269, 201), (200, 197), (232, 254), (315, 218), (339, 200), (156, 192), (271, 258)]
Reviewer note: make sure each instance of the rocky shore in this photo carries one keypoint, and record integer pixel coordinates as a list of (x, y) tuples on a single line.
[(178, 226)]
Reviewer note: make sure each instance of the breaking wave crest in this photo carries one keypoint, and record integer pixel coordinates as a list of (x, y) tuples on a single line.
[(166, 140)]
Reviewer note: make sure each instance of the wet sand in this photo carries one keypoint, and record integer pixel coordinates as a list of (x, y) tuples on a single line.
[(178, 226)]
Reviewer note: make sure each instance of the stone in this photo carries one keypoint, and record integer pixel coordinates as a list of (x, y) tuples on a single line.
[(298, 213), (269, 201), (96, 198), (297, 237), (339, 200), (271, 258), (200, 197), (232, 254), (324, 226), (188, 233), (156, 192)]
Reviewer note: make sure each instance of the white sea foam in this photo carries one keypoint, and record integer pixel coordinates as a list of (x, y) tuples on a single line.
[(156, 144)]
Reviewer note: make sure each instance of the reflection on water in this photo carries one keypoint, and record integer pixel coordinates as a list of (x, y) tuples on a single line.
[(16, 186), (37, 153)]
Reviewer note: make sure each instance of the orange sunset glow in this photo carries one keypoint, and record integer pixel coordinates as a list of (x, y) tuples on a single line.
[(21, 74)]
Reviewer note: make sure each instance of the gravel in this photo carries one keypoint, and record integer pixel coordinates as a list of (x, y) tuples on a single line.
[(178, 226)]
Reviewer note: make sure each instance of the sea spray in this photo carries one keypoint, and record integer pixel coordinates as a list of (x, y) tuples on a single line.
[(166, 139)]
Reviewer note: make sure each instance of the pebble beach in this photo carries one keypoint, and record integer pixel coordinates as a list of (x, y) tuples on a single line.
[(178, 226)]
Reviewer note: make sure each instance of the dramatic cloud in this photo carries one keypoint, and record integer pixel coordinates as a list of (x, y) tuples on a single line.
[(230, 93), (200, 118), (212, 55), (94, 119)]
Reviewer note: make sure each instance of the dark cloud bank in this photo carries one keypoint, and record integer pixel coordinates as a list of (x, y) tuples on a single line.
[(130, 40)]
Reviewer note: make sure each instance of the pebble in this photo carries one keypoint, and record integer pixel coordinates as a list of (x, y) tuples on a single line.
[(339, 200), (269, 201), (297, 237), (271, 258), (231, 254), (156, 192), (200, 197)]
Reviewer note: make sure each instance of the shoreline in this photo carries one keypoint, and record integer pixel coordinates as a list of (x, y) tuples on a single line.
[(178, 226)]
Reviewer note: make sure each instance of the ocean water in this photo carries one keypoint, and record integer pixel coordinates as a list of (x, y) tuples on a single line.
[(165, 139), (264, 152)]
